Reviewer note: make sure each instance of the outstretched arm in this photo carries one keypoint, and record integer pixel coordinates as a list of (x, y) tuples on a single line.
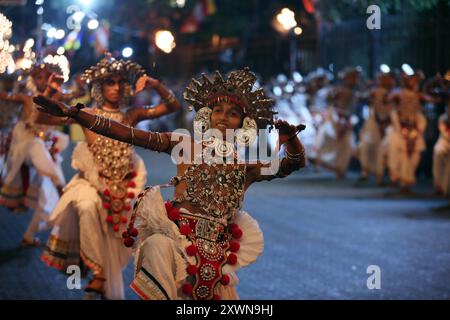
[(19, 98), (156, 141), (427, 98), (169, 102), (294, 159)]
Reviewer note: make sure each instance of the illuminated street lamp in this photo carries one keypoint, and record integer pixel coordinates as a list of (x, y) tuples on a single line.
[(285, 23), (86, 3), (93, 24), (165, 40), (127, 52)]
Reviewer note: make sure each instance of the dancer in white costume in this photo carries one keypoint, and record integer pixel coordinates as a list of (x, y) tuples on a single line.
[(373, 140), (9, 115), (292, 107), (191, 247), (33, 177), (319, 90), (96, 204), (441, 155), (335, 139), (303, 115), (406, 141)]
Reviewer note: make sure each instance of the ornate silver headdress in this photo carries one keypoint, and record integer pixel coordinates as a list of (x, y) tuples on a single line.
[(237, 89), (109, 66), (42, 65)]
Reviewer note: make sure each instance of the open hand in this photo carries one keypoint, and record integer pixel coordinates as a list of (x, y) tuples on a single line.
[(146, 82), (286, 130)]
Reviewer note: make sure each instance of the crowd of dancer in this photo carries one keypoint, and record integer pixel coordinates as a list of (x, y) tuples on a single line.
[(381, 123)]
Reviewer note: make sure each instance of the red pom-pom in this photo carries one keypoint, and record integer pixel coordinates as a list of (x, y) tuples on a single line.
[(128, 242), (232, 226), (133, 232), (55, 139), (131, 184), (185, 230), (234, 246), (225, 280), (123, 219), (106, 205), (174, 214), (131, 195), (127, 207), (116, 227), (168, 206), (109, 219), (232, 259), (187, 288), (237, 233), (55, 150), (216, 297), (134, 174), (106, 193), (125, 234), (191, 250), (192, 269)]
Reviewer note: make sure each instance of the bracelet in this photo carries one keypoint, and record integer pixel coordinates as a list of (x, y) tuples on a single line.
[(297, 156), (100, 121), (97, 120), (149, 140), (170, 98), (158, 142)]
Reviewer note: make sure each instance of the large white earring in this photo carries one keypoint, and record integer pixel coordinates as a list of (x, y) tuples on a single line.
[(246, 135), (97, 94), (202, 120), (127, 93)]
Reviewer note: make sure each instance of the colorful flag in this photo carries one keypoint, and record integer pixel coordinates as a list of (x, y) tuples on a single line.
[(309, 6)]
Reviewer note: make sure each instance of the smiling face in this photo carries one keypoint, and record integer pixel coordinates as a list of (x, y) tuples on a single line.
[(226, 116), (113, 88)]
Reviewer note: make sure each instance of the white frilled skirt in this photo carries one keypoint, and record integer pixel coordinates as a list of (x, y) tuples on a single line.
[(161, 259)]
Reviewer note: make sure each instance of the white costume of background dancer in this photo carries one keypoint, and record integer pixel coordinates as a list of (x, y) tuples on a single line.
[(9, 115), (406, 141), (33, 175), (81, 227), (373, 140), (96, 205), (441, 156), (335, 139)]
